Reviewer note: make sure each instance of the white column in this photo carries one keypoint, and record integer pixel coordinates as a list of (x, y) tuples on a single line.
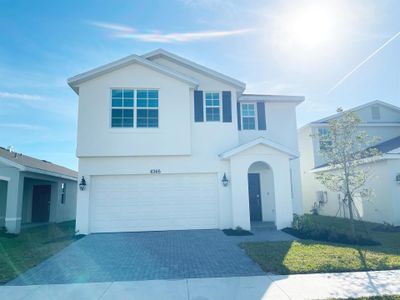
[(14, 202), (240, 195), (283, 197), (296, 186)]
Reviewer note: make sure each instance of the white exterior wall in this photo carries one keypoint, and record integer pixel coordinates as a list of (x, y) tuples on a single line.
[(97, 138), (279, 163), (266, 189), (383, 205), (380, 208), (394, 188), (3, 201), (180, 145)]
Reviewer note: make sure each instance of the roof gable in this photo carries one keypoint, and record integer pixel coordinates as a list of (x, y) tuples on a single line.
[(75, 81), (359, 108), (259, 141), (194, 66)]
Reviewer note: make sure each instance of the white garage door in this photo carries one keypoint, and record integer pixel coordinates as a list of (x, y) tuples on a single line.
[(154, 202)]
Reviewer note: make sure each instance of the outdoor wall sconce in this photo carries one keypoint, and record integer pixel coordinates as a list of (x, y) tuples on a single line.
[(225, 180), (82, 184), (398, 178)]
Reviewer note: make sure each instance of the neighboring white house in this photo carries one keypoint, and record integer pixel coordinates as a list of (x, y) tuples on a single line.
[(381, 120), (34, 191), (165, 144)]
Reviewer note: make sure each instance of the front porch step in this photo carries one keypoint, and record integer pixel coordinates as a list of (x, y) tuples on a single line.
[(263, 225)]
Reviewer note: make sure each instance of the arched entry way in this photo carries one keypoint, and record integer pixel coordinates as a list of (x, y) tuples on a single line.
[(261, 192)]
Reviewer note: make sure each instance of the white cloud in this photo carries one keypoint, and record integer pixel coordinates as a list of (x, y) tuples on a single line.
[(127, 32), (112, 26), (19, 96), (180, 37)]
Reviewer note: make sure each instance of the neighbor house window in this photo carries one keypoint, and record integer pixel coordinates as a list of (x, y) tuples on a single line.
[(62, 193), (147, 108), (375, 112), (323, 143), (213, 107), (248, 116), (122, 108)]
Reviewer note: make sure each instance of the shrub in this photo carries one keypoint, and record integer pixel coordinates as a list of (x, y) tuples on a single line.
[(304, 227)]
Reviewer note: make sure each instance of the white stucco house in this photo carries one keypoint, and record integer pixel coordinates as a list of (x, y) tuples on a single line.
[(381, 120), (167, 144), (34, 191)]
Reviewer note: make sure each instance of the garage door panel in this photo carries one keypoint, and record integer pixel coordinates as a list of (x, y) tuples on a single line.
[(154, 202)]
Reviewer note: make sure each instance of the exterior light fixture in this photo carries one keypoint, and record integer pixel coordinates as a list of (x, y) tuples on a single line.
[(82, 184), (225, 180), (398, 178)]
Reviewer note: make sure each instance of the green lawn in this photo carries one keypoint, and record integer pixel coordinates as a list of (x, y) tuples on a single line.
[(19, 253), (307, 256), (394, 297)]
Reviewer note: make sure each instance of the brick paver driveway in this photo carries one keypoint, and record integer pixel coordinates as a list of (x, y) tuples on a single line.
[(144, 256)]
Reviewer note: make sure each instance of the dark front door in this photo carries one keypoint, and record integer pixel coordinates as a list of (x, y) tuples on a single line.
[(41, 203), (255, 197)]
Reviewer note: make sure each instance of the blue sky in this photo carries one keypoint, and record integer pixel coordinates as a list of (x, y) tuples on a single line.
[(276, 47)]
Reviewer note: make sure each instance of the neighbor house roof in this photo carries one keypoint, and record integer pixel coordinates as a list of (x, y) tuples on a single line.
[(271, 98), (391, 146), (327, 119), (31, 164), (259, 141), (75, 81), (196, 67)]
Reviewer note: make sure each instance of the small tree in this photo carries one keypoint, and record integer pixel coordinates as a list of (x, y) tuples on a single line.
[(346, 148)]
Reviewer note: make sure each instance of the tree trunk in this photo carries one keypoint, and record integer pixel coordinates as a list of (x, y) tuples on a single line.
[(351, 216)]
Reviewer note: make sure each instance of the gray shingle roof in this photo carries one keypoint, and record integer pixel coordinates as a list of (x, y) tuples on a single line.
[(31, 162), (388, 145), (383, 147)]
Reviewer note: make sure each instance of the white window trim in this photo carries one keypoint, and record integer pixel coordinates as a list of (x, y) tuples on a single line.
[(134, 128), (205, 106), (255, 115)]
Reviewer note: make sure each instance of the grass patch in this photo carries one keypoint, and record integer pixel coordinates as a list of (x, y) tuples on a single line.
[(388, 297), (309, 256), (236, 232), (19, 253)]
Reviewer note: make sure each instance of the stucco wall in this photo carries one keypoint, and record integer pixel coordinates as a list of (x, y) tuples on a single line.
[(3, 201), (58, 212), (180, 145), (97, 138), (267, 190), (382, 206)]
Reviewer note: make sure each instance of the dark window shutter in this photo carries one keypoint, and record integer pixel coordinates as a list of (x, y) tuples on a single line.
[(198, 106), (262, 124), (239, 118), (226, 106)]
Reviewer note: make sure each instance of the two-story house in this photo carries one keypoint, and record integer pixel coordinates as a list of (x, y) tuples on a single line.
[(378, 119), (167, 144)]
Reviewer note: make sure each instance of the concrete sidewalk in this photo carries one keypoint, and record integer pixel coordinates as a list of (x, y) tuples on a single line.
[(307, 286)]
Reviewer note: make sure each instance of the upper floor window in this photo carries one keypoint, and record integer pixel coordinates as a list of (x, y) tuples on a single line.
[(324, 143), (213, 106), (123, 108), (147, 108), (248, 116)]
